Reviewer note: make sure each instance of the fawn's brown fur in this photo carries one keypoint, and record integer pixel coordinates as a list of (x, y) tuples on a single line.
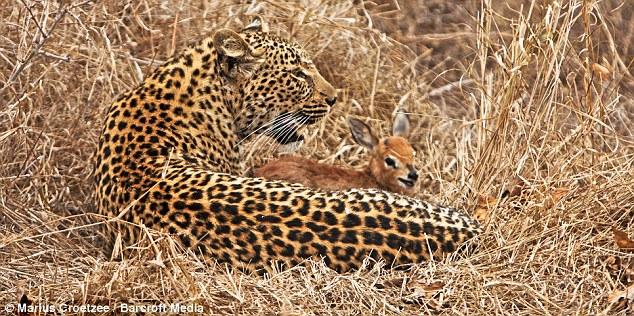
[(390, 167)]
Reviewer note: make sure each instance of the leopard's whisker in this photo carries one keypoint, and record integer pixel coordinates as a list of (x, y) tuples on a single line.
[(293, 126), (273, 125), (297, 125), (285, 131), (267, 125), (279, 135)]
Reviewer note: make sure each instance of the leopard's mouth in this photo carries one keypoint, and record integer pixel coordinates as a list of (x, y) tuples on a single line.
[(312, 115)]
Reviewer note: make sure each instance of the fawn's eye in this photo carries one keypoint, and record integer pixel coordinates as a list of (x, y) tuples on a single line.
[(390, 162)]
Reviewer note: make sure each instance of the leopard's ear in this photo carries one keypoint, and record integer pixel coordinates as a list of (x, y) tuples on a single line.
[(237, 59), (257, 24), (230, 44)]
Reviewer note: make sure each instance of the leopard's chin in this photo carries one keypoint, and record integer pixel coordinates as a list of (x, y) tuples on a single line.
[(288, 137)]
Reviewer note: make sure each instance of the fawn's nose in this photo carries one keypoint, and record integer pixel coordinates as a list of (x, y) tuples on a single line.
[(331, 101), (412, 175)]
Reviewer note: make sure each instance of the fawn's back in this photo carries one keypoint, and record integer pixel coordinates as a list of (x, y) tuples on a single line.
[(314, 174)]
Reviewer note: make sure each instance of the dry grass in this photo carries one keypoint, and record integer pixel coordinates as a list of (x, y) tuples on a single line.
[(502, 95)]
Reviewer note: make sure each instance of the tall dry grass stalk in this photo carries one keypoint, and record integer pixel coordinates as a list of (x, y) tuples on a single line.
[(535, 98)]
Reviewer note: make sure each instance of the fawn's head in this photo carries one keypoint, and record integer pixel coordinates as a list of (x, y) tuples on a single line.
[(392, 157)]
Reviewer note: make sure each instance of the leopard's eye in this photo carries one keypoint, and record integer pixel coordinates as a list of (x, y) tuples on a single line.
[(299, 73)]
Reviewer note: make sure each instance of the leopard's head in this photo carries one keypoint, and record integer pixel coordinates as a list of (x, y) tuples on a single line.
[(280, 88)]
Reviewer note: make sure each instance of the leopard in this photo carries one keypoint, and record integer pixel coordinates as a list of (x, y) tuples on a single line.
[(168, 159)]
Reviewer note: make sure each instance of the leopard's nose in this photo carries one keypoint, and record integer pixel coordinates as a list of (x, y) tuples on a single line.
[(331, 101)]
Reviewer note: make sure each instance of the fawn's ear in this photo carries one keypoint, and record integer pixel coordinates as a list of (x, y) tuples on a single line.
[(400, 126), (362, 133), (257, 25)]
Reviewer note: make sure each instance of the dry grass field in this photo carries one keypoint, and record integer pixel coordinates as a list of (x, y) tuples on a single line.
[(522, 114)]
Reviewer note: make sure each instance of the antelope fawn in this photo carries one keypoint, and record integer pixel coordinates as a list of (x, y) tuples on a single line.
[(390, 167)]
